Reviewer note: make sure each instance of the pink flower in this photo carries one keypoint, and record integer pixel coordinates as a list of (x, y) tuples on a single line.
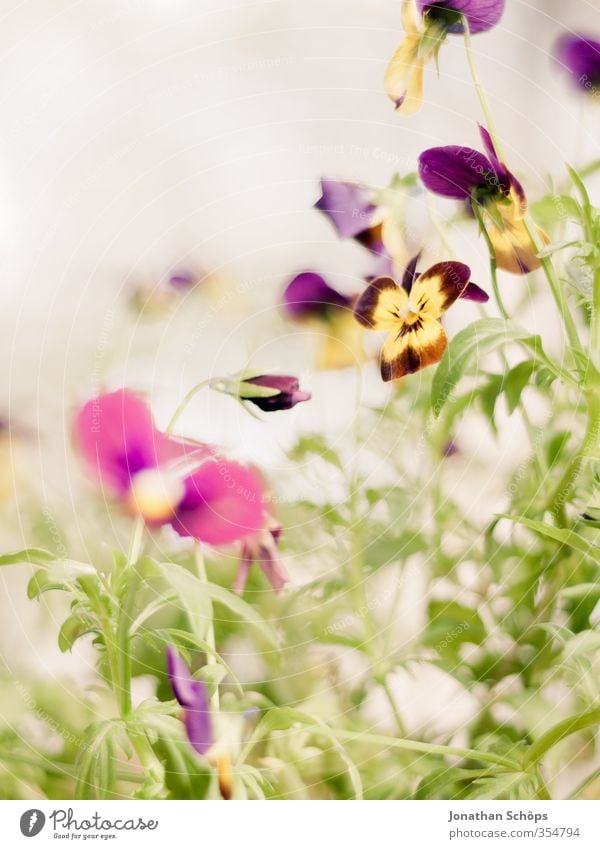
[(222, 502)]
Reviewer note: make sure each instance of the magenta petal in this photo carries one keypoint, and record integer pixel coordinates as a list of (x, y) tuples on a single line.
[(223, 502), (580, 56), (275, 572), (454, 171), (347, 205), (481, 14), (117, 438)]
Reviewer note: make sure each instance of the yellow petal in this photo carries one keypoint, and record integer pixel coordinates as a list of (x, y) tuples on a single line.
[(513, 247), (410, 17), (413, 347), (382, 305), (341, 343), (404, 77)]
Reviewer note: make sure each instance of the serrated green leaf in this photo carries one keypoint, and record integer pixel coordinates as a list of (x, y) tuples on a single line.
[(466, 349), (59, 575)]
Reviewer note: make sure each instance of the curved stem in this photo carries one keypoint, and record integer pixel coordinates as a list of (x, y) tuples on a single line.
[(561, 730), (183, 404)]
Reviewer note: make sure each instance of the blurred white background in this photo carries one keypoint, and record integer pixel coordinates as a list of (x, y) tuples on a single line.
[(136, 137)]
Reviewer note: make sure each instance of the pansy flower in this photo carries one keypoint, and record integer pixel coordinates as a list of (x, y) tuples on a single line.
[(483, 180), (130, 457), (261, 549), (165, 480), (309, 299), (222, 502), (192, 695), (426, 25), (580, 56), (410, 313)]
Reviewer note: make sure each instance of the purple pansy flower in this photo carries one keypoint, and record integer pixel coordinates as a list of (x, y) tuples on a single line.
[(286, 392), (192, 695), (308, 295), (580, 55), (481, 178), (348, 206)]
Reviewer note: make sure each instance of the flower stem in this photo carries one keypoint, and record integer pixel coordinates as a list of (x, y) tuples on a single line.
[(589, 449), (546, 262), (561, 730), (211, 656), (124, 619), (184, 402)]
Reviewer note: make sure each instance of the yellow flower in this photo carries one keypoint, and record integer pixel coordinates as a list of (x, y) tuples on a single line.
[(411, 315)]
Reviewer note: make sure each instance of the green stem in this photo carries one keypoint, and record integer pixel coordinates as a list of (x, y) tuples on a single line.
[(561, 730), (183, 404), (589, 448), (479, 89), (381, 741), (124, 620), (211, 657)]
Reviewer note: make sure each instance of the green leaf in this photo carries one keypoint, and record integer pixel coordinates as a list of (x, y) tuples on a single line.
[(72, 629), (581, 591), (59, 575), (192, 595), (242, 609), (564, 536), (389, 548), (450, 625), (38, 556), (515, 382), (468, 347)]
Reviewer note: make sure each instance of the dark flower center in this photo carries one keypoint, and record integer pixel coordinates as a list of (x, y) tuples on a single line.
[(443, 16)]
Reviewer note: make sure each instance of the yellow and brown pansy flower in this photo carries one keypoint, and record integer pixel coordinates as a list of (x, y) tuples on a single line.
[(410, 313)]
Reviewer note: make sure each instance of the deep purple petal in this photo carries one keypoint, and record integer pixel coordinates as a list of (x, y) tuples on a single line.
[(455, 171), (580, 55), (289, 392), (410, 273), (481, 14), (472, 292), (347, 205), (308, 295)]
